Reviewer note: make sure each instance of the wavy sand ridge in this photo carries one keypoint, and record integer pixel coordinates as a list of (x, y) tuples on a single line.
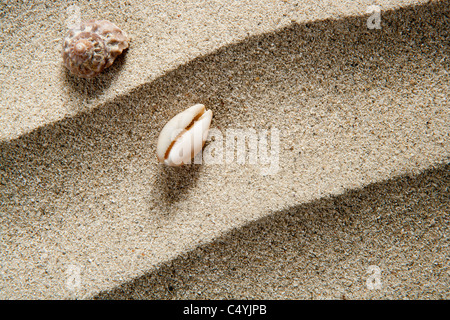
[(36, 90), (322, 250), (353, 106)]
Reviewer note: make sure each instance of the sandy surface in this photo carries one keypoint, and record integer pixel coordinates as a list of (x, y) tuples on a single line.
[(81, 189), (37, 90), (323, 250)]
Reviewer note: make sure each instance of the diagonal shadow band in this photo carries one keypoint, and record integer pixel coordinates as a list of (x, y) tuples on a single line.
[(322, 250), (88, 185)]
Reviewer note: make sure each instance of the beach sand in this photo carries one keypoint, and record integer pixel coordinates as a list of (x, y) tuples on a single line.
[(362, 176)]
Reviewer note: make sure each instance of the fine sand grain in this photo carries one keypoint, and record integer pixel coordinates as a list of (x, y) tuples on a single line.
[(362, 176)]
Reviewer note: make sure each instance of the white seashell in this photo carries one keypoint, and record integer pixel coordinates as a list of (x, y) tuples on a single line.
[(184, 136)]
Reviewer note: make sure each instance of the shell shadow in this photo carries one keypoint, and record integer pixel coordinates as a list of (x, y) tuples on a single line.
[(172, 185), (84, 89)]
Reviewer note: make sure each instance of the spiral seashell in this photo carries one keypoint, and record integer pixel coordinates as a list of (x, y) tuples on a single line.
[(92, 46)]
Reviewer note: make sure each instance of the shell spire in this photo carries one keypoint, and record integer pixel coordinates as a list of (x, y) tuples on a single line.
[(92, 46)]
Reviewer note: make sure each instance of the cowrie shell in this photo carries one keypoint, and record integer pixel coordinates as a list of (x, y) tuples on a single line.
[(184, 136)]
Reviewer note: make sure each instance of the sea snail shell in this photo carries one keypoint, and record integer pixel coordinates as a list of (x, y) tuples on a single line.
[(92, 46), (184, 136)]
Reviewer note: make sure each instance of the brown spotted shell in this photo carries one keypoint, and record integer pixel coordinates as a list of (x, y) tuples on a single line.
[(92, 46)]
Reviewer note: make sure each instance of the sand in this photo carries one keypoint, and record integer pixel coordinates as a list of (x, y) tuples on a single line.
[(363, 117), (322, 250)]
